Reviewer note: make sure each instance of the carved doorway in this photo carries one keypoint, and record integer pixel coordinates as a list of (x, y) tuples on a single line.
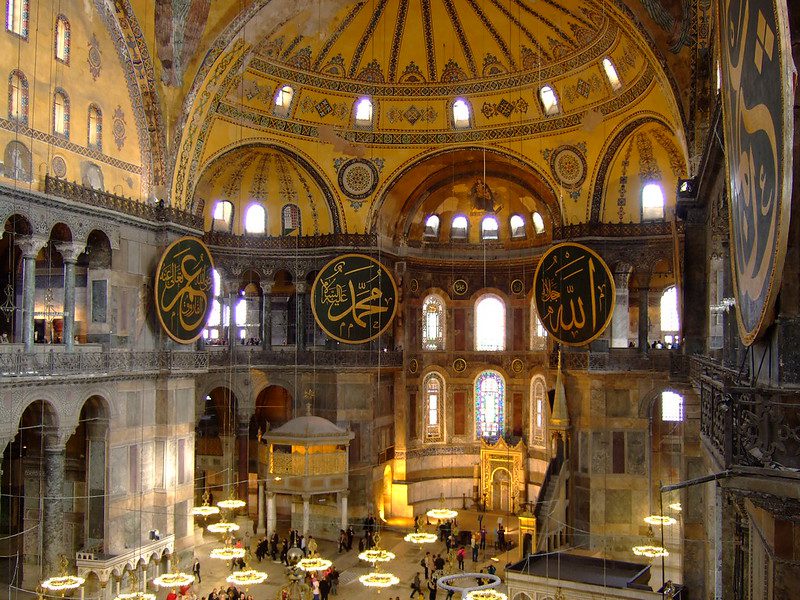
[(501, 490)]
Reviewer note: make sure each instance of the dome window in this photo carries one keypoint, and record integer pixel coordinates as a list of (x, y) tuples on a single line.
[(18, 97), (489, 228), (460, 113), (549, 101), (61, 113), (458, 229), (255, 220), (611, 74), (283, 100), (364, 112), (517, 227), (17, 12), (95, 131), (538, 223), (652, 202), (431, 226), (223, 211), (62, 39)]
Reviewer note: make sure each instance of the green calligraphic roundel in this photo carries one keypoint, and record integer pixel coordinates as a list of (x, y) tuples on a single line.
[(574, 293), (184, 289), (354, 299), (758, 100)]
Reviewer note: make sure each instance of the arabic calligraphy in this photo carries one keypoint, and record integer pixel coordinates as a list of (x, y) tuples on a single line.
[(354, 299), (757, 99), (574, 293), (183, 289)]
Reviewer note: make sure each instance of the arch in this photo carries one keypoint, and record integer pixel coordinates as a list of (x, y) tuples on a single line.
[(501, 489), (490, 405), (62, 39), (434, 322), (539, 412), (274, 406), (18, 108), (433, 406), (521, 596), (61, 113), (490, 323)]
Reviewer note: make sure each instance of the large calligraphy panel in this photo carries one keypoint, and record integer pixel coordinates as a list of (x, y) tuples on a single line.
[(354, 298), (757, 99), (183, 289), (574, 293)]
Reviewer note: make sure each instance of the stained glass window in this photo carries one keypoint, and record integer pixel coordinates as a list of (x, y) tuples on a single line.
[(538, 411), (490, 324), (433, 323), (290, 215), (433, 387), (489, 405)]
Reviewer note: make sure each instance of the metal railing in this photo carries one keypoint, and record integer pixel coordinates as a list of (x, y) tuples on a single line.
[(254, 356)]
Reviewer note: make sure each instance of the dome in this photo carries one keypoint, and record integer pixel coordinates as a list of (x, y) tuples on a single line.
[(309, 426)]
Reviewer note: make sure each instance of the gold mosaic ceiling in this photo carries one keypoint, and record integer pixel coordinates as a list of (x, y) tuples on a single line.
[(445, 41)]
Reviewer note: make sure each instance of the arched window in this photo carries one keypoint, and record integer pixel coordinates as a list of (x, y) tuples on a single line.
[(62, 39), (517, 224), (549, 101), (716, 289), (223, 215), (652, 202), (490, 323), (18, 97), (255, 219), (490, 395), (431, 226), (538, 412), (240, 312), (433, 391), (611, 74), (670, 324), (538, 332), (61, 113), (460, 113), (95, 132), (489, 228), (290, 220), (671, 406), (283, 100), (433, 323), (538, 223), (17, 12), (364, 111), (215, 318), (458, 229)]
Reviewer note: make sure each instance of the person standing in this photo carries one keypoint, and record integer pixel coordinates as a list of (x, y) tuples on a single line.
[(460, 557), (416, 586), (196, 569), (475, 551), (428, 565), (432, 589), (424, 563), (483, 538), (324, 588), (350, 535)]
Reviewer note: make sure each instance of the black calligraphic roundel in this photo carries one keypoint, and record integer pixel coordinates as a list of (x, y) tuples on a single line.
[(354, 299), (184, 289), (757, 107), (574, 293)]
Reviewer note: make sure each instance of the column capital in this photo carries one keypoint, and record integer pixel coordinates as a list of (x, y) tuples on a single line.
[(31, 244), (301, 287), (306, 497), (70, 251), (621, 279), (344, 494)]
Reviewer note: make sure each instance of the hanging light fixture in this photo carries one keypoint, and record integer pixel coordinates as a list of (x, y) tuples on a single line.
[(246, 578), (485, 595), (376, 555), (223, 527), (228, 553), (135, 594), (379, 580), (65, 581), (676, 506), (650, 551), (660, 520), (175, 579), (420, 538), (442, 513), (206, 510), (232, 503), (314, 564)]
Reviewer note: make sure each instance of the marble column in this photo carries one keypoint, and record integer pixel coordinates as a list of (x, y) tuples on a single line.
[(260, 517), (620, 321), (266, 317), (30, 246), (242, 470), (301, 298), (233, 298), (343, 509), (306, 513), (644, 322), (70, 251), (272, 513), (52, 505), (96, 458)]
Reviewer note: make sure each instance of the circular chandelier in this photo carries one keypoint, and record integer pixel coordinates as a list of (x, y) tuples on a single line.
[(246, 578), (379, 580), (231, 504), (314, 564), (485, 595), (205, 510), (135, 596), (442, 514), (223, 527), (421, 538), (228, 553), (376, 555), (660, 520), (650, 551), (676, 506), (65, 581), (175, 579)]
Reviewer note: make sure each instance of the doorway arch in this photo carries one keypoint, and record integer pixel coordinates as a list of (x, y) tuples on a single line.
[(501, 490)]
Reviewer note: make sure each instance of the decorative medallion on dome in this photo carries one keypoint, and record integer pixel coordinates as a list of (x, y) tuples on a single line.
[(94, 58), (460, 287), (568, 165), (118, 127), (452, 72), (358, 178), (517, 286), (59, 167), (459, 365), (517, 365)]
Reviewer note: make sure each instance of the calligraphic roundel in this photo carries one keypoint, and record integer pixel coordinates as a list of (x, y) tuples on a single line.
[(354, 298), (757, 107), (574, 293), (184, 289)]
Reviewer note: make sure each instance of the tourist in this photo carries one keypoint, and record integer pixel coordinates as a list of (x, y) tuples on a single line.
[(196, 569), (429, 566), (342, 540), (424, 563), (416, 586), (460, 557), (432, 589)]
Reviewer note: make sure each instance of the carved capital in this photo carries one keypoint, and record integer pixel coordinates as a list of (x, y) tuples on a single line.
[(31, 244), (70, 251)]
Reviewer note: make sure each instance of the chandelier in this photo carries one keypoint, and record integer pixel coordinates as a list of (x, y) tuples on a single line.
[(231, 503), (228, 553), (174, 579), (421, 538), (376, 555), (442, 514), (134, 594), (676, 506), (660, 520), (206, 510), (379, 580), (246, 578), (486, 595), (314, 564), (65, 581), (223, 527), (650, 551)]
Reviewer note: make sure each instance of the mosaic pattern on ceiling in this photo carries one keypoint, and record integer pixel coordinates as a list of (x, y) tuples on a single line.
[(470, 40)]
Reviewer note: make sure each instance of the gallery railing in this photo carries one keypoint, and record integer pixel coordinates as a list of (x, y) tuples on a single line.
[(746, 426), (253, 356)]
